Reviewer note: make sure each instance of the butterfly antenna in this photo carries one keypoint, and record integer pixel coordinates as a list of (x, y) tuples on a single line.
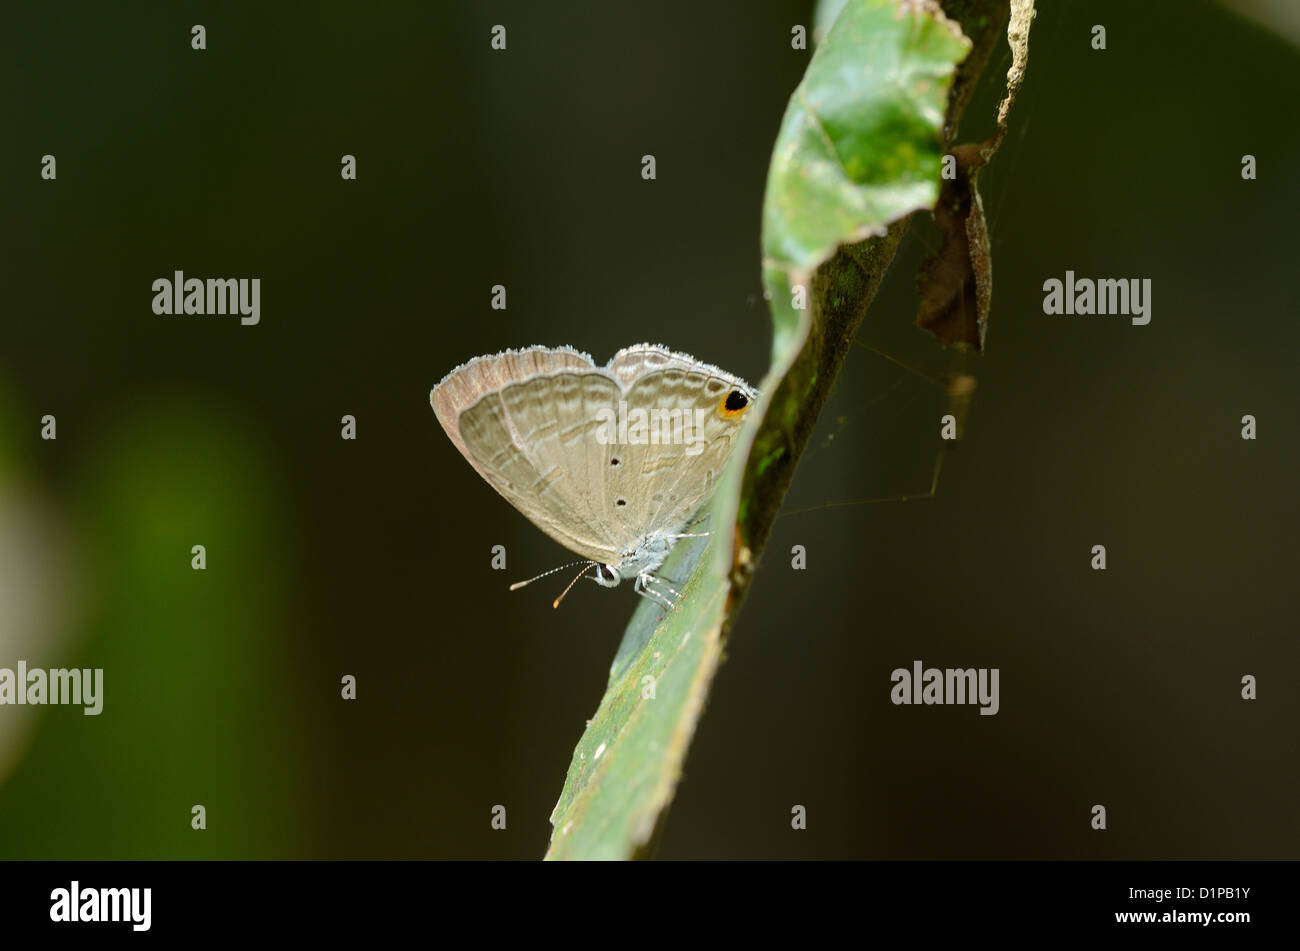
[(519, 584), (556, 602)]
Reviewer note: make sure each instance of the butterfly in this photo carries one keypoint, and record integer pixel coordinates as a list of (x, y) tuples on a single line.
[(613, 462)]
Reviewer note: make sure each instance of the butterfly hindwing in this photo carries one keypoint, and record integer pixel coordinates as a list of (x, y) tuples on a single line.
[(678, 440)]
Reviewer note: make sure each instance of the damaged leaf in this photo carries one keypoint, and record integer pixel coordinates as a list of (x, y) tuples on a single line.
[(956, 284)]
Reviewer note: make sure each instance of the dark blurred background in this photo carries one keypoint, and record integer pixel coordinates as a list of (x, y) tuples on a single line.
[(328, 557)]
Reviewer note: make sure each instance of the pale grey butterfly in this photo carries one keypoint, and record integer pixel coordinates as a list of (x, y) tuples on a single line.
[(612, 462)]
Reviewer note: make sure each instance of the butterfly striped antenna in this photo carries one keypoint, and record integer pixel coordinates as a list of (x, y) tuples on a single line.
[(519, 584), (556, 602)]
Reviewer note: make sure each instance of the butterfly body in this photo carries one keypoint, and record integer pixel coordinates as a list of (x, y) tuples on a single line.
[(610, 461), (645, 556)]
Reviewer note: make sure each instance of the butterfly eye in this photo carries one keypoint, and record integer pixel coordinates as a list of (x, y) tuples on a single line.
[(615, 462), (620, 502), (734, 403)]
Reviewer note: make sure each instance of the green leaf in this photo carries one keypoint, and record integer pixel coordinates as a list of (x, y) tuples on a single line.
[(858, 151), (824, 15), (628, 760), (861, 140)]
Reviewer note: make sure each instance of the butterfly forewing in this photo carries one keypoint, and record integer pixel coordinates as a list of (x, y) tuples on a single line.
[(535, 441)]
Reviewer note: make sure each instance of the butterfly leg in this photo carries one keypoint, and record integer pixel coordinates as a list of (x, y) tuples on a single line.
[(660, 580), (639, 586), (673, 595)]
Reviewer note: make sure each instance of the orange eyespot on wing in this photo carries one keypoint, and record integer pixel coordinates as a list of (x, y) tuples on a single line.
[(733, 405)]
